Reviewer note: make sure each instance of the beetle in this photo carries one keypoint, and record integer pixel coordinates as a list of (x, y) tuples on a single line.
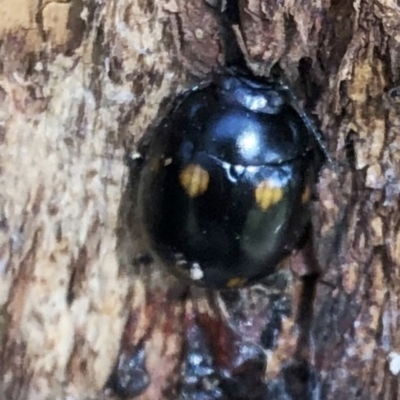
[(225, 185)]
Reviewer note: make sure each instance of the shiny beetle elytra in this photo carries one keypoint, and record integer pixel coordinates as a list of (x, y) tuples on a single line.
[(225, 185)]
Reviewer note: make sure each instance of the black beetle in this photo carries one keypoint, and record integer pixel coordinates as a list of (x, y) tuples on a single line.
[(224, 187)]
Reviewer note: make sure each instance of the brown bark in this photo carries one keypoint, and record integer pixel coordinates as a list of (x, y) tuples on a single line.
[(80, 83)]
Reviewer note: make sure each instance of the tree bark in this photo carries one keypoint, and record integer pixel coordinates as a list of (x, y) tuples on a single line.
[(84, 314)]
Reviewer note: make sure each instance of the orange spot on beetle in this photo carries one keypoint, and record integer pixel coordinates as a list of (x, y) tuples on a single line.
[(236, 282), (194, 180), (267, 194)]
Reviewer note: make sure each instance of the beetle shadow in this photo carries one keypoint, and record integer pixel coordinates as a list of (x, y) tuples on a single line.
[(131, 249)]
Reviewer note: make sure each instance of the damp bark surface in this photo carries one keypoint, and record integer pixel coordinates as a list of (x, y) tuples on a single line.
[(84, 313)]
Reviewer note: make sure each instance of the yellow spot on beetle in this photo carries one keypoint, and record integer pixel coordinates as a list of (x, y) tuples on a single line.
[(306, 195), (267, 194), (235, 282), (194, 179)]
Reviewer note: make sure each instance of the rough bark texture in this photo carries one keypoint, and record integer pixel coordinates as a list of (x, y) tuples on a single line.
[(82, 315)]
